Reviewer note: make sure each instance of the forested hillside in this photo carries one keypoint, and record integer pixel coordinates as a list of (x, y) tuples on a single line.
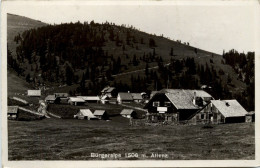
[(91, 55)]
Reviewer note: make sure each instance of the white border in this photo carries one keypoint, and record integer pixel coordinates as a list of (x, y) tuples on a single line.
[(175, 163)]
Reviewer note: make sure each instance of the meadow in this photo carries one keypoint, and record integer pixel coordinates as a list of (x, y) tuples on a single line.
[(71, 139)]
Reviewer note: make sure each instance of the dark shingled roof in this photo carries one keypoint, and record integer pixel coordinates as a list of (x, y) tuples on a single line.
[(183, 99)]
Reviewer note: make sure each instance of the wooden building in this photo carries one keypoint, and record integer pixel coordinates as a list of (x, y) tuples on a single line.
[(101, 114), (85, 114), (128, 113), (51, 99), (77, 101), (109, 91), (34, 93), (219, 112), (123, 97), (12, 112), (175, 105)]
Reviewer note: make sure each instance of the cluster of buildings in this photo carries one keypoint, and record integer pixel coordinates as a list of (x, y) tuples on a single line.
[(170, 105), (194, 107)]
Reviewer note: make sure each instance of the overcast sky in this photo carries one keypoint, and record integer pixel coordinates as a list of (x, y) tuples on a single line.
[(208, 26)]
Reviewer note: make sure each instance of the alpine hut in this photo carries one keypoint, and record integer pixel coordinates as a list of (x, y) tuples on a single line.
[(51, 99), (101, 114), (128, 113), (123, 97), (12, 112), (220, 111), (176, 105), (85, 114)]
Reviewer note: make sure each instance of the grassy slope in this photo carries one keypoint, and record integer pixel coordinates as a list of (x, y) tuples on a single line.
[(18, 24), (54, 139)]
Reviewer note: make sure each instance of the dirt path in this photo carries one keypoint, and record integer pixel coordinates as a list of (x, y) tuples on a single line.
[(53, 115), (32, 112), (125, 73)]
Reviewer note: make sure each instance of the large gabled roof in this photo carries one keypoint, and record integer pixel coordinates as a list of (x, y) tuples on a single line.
[(182, 99), (125, 96), (190, 92), (229, 108)]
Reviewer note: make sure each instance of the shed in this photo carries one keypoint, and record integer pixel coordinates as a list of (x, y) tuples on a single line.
[(12, 112), (34, 93), (51, 99), (220, 111), (77, 101), (128, 113), (85, 114), (101, 114), (123, 97), (231, 110)]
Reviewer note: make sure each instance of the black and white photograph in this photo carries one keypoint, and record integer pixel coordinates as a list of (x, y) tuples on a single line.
[(129, 81)]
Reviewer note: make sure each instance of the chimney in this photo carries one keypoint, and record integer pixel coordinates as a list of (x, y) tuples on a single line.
[(128, 92), (194, 98)]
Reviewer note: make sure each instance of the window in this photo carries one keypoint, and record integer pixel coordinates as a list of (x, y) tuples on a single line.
[(202, 116), (156, 103), (167, 104)]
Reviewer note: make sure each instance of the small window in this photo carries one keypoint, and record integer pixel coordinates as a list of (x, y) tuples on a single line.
[(156, 104), (167, 104), (202, 116)]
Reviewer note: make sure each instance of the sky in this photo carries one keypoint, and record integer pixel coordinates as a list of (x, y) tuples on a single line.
[(210, 26)]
